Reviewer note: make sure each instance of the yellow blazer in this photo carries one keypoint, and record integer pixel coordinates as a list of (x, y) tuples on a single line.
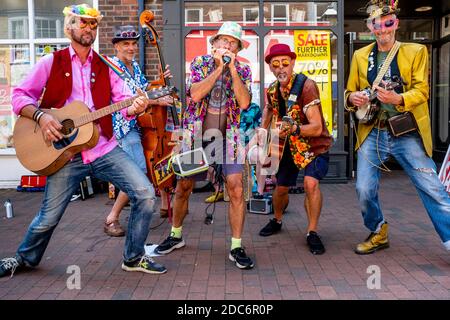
[(412, 60)]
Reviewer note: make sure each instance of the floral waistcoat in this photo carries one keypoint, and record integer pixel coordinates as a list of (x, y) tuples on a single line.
[(303, 149)]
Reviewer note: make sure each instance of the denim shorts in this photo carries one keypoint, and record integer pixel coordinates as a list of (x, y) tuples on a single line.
[(131, 144), (288, 171)]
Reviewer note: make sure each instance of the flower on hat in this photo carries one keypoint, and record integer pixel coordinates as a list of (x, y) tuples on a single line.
[(81, 10)]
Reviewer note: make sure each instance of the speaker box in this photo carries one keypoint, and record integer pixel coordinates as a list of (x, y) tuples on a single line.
[(260, 206), (86, 188)]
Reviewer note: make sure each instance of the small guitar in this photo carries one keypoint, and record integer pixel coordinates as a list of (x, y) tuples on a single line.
[(367, 113), (44, 157), (274, 146)]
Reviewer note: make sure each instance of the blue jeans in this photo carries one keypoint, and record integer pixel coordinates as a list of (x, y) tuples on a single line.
[(410, 154), (131, 144), (117, 167)]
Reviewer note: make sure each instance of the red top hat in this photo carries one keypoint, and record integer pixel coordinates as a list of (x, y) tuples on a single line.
[(280, 49)]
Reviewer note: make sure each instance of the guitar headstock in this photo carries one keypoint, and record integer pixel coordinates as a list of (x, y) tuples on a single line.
[(396, 81)]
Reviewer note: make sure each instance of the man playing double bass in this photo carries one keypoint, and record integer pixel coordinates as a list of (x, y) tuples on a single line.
[(127, 132)]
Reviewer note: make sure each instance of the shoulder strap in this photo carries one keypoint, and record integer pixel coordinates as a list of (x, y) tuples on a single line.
[(296, 89), (386, 63)]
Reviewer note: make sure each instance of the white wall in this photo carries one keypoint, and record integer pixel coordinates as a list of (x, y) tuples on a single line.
[(10, 169)]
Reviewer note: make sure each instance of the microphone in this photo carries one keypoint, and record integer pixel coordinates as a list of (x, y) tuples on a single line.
[(226, 59)]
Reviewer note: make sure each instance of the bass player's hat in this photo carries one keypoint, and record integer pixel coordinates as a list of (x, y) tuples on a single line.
[(125, 33)]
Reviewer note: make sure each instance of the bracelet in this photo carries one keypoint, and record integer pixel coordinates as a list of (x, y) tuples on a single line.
[(298, 130), (39, 116), (35, 114)]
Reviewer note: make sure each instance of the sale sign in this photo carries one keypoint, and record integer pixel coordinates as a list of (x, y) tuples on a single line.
[(313, 51)]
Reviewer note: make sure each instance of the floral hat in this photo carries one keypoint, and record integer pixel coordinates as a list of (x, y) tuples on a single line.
[(82, 11), (229, 28), (379, 8)]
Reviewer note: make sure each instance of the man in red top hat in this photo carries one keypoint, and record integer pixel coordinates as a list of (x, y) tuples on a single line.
[(307, 144)]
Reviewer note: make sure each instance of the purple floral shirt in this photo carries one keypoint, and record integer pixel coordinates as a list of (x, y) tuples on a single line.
[(195, 113)]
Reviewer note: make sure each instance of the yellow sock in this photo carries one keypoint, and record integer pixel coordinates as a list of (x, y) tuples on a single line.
[(176, 232), (235, 243)]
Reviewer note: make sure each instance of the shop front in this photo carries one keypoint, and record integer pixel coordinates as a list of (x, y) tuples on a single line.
[(324, 35)]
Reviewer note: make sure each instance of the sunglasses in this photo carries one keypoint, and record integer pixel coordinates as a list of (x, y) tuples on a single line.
[(127, 34), (93, 24), (277, 63), (387, 24)]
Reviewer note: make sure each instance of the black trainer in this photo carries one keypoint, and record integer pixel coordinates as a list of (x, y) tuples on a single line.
[(145, 264), (272, 227), (240, 258), (9, 265), (314, 243), (170, 244)]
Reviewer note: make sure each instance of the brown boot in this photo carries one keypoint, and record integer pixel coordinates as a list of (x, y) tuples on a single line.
[(114, 229)]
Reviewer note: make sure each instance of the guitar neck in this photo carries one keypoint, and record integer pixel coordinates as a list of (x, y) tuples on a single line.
[(97, 114)]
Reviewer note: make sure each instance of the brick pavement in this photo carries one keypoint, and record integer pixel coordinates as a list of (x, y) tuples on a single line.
[(414, 267)]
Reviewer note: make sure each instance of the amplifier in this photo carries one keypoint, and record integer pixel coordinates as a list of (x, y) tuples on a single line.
[(86, 188), (260, 205)]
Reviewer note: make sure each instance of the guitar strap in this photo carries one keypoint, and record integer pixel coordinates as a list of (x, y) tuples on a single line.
[(296, 90), (386, 63), (122, 74)]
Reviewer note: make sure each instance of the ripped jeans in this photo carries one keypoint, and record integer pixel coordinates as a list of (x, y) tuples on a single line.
[(116, 167), (409, 152)]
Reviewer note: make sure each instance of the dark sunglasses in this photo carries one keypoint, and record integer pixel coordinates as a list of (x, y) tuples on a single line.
[(387, 24), (126, 34), (277, 63), (93, 24)]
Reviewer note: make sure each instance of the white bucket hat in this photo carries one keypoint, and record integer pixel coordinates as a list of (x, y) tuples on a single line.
[(232, 29)]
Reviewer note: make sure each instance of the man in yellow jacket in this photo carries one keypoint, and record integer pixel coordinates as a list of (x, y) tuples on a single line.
[(376, 140)]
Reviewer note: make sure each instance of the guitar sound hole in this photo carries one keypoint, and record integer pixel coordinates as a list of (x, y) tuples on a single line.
[(68, 127)]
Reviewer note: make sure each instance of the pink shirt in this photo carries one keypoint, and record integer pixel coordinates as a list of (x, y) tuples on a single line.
[(30, 89)]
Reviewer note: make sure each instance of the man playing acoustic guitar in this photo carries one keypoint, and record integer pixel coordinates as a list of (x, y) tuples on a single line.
[(77, 73), (410, 141), (308, 140)]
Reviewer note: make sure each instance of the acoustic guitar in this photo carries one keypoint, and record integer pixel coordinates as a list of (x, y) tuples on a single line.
[(45, 158), (367, 113), (274, 146)]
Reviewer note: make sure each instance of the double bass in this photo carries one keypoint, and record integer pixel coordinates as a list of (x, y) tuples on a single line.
[(158, 142)]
